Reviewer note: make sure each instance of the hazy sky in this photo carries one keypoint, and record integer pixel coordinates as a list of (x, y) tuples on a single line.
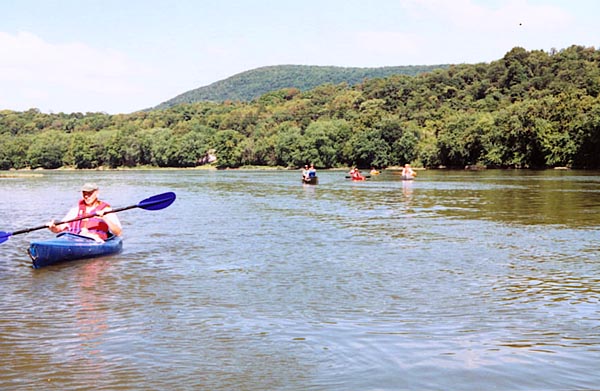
[(119, 56)]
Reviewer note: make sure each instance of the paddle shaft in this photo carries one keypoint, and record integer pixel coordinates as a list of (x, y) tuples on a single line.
[(157, 202), (24, 231)]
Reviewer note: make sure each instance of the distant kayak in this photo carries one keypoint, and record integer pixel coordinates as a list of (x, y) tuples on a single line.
[(69, 247), (358, 178), (407, 178)]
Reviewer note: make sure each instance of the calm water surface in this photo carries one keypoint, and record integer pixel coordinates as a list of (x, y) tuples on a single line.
[(252, 281)]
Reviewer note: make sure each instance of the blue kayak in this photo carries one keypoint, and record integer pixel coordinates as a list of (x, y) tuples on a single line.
[(69, 247)]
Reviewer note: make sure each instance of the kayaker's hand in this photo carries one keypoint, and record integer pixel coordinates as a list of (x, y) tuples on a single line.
[(52, 226), (102, 212)]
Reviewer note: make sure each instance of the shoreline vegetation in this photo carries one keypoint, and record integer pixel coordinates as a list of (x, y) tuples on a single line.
[(38, 172), (529, 109)]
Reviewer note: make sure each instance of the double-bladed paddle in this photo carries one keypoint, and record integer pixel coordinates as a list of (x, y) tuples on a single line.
[(157, 202)]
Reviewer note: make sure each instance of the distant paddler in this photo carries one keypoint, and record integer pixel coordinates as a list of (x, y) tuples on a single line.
[(305, 176), (355, 175), (408, 173), (309, 175)]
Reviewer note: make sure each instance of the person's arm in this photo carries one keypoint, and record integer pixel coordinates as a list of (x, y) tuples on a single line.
[(114, 224), (62, 227)]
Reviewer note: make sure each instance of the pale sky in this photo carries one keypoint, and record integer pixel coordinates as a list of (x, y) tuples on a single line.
[(120, 56)]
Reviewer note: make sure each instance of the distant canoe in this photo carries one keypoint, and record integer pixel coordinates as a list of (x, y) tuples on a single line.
[(311, 181), (407, 178)]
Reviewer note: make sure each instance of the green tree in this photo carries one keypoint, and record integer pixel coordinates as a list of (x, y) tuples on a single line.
[(366, 148), (82, 152), (229, 147), (47, 150), (190, 147), (405, 148), (287, 145), (320, 143), (160, 146)]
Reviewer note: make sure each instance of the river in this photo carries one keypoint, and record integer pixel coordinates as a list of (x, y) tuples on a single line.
[(458, 280)]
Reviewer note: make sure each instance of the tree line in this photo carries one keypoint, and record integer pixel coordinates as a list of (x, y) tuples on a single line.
[(530, 109)]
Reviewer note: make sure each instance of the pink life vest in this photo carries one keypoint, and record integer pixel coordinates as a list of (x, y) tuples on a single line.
[(356, 175), (93, 224)]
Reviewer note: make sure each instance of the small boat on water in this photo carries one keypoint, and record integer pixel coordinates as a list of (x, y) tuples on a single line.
[(355, 175), (311, 180), (69, 247), (358, 177), (407, 177)]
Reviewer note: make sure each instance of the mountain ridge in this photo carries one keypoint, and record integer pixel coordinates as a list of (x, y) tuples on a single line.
[(251, 84)]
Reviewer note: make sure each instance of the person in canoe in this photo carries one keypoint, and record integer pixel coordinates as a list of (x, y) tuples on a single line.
[(408, 172), (309, 175), (355, 175), (305, 176), (312, 171), (98, 227)]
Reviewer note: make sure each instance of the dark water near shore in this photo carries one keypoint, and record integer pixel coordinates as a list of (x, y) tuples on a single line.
[(252, 281)]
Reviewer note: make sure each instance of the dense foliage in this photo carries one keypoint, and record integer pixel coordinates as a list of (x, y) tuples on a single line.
[(250, 85), (528, 109)]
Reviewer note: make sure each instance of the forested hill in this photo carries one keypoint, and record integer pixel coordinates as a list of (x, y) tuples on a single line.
[(252, 84), (531, 109)]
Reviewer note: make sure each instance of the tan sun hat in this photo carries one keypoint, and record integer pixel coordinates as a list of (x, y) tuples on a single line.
[(89, 187)]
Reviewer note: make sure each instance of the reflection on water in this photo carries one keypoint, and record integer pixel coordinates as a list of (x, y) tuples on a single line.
[(250, 280), (90, 314)]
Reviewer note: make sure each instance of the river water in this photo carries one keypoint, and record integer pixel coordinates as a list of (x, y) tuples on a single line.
[(458, 280)]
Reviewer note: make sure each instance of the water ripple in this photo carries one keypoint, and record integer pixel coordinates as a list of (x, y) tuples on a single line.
[(455, 281)]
